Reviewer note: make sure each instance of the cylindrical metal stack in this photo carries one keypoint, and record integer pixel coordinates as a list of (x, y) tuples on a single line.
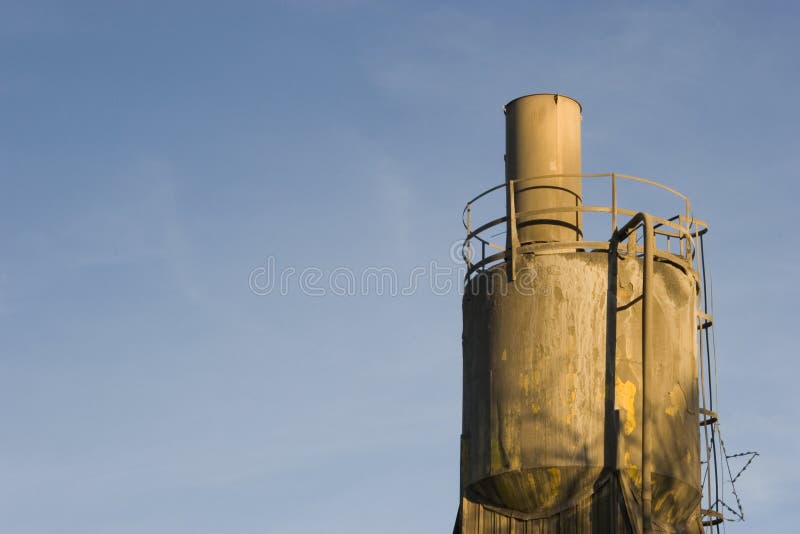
[(543, 138)]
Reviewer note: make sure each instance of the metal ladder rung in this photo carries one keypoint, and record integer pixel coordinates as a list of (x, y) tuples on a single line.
[(716, 517), (709, 417), (706, 320)]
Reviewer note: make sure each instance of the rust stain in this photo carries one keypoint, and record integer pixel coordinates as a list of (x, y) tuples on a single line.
[(677, 401)]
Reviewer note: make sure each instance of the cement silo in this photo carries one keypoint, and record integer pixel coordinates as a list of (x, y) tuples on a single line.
[(581, 408)]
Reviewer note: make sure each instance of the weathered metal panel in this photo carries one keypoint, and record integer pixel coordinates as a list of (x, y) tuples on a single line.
[(537, 432), (591, 515)]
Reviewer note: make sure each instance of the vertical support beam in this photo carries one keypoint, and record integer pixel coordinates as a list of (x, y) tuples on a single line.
[(611, 417), (632, 244), (647, 319), (647, 324)]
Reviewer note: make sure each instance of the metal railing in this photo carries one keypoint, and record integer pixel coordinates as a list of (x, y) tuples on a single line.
[(480, 251)]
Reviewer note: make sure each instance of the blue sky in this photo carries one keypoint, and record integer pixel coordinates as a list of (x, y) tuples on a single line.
[(153, 154)]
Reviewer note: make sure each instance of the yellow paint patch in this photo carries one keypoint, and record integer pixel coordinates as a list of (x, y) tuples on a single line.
[(531, 481), (626, 397), (632, 470), (525, 379), (497, 459), (555, 483), (659, 504), (504, 356), (572, 395), (535, 408)]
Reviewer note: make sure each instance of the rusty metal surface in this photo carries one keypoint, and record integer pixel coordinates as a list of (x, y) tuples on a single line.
[(536, 431), (605, 506)]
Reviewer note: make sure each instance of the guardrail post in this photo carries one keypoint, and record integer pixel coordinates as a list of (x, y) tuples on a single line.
[(613, 202), (687, 251), (512, 239), (468, 241)]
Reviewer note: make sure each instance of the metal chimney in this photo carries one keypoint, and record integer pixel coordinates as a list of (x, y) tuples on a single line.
[(543, 138)]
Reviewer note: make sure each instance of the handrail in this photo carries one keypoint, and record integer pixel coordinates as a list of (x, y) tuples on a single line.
[(681, 227)]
